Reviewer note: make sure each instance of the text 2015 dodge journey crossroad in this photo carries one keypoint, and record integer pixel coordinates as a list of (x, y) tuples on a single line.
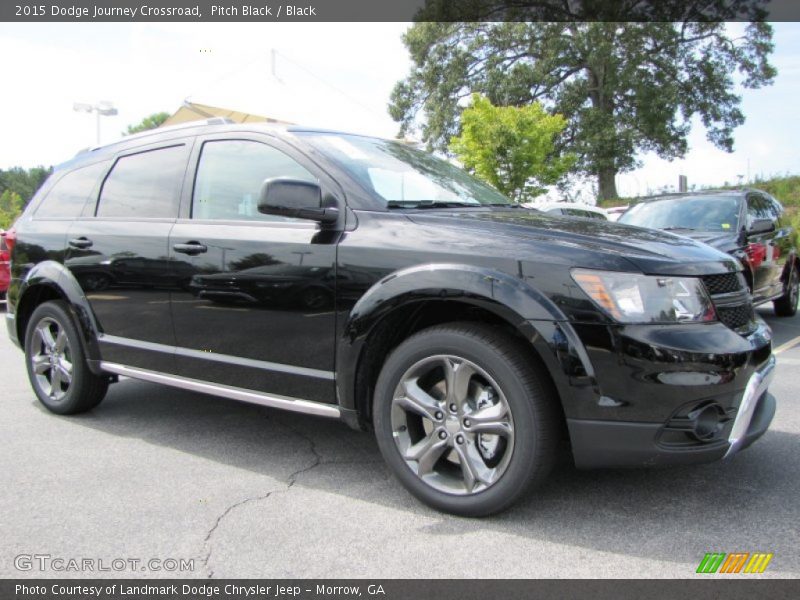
[(360, 279)]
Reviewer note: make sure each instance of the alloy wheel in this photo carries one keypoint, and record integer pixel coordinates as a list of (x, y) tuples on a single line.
[(51, 359), (452, 425)]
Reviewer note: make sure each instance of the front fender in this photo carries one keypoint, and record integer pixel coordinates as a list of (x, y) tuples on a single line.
[(54, 275), (534, 315)]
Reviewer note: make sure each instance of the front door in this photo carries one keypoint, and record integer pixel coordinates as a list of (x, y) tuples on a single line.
[(256, 306), (118, 253)]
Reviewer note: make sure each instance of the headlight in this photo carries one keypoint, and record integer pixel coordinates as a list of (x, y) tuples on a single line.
[(635, 298)]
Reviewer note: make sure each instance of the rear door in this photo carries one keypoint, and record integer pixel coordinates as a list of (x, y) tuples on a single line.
[(118, 253), (256, 310)]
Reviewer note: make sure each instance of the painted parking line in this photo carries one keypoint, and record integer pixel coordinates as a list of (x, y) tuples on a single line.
[(787, 346)]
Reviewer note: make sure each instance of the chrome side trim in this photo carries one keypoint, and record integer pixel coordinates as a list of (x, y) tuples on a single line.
[(223, 358), (758, 384), (226, 391)]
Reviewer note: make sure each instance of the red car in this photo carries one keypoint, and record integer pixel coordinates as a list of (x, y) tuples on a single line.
[(5, 271)]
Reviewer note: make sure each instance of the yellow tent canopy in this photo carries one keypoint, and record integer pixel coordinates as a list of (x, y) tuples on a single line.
[(191, 111)]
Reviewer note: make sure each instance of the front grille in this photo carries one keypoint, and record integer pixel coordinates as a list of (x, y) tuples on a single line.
[(736, 317), (734, 311), (723, 284)]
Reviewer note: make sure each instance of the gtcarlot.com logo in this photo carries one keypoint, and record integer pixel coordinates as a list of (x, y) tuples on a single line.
[(736, 562), (48, 562)]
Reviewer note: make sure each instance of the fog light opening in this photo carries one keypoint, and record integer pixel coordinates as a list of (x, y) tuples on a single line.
[(708, 422)]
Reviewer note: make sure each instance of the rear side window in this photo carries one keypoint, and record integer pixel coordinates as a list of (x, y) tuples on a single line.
[(230, 175), (144, 185), (70, 193)]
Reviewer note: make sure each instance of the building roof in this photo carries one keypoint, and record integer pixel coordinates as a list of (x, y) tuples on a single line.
[(192, 111)]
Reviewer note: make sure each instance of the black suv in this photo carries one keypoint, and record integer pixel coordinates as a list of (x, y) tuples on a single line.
[(747, 224), (361, 279)]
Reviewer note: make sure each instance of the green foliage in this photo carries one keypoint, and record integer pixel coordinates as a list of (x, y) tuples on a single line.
[(24, 182), (11, 205), (510, 147), (149, 122), (624, 87)]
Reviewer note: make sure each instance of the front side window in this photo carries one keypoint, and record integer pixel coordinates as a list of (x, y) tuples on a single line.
[(230, 175), (144, 185), (68, 196), (759, 208)]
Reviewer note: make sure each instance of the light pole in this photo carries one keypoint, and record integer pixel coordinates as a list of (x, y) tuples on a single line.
[(101, 109)]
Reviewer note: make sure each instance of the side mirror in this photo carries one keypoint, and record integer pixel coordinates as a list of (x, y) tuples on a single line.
[(761, 226), (294, 198)]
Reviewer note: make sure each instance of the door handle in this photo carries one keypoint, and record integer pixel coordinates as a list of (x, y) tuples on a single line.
[(190, 248), (81, 242)]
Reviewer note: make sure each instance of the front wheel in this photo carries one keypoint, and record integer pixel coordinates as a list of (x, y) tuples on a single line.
[(56, 364), (786, 305), (465, 418)]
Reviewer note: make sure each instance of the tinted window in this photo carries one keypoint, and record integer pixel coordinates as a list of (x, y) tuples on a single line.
[(70, 193), (705, 213), (144, 185), (230, 175), (758, 207)]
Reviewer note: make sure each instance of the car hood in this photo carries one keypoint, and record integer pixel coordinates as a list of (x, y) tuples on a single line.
[(726, 241), (588, 243)]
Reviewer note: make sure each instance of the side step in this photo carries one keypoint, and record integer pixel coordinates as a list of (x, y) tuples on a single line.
[(226, 391)]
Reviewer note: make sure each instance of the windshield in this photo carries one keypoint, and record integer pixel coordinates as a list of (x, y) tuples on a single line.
[(704, 213), (401, 176)]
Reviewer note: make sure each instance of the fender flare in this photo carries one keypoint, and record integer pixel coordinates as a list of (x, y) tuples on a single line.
[(57, 277), (533, 314)]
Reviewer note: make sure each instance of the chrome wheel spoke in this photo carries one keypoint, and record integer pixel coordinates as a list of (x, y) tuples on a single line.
[(55, 381), (60, 341), (46, 335), (65, 370), (415, 399), (492, 419), (426, 453), (472, 469), (457, 378), (41, 362)]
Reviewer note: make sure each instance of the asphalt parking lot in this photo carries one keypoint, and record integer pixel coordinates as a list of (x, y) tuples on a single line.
[(245, 491)]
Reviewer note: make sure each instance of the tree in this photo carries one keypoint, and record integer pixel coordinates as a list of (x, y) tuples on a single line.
[(24, 182), (511, 147), (149, 122), (11, 205), (624, 87)]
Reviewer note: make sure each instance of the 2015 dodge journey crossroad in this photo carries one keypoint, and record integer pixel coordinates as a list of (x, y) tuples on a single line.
[(361, 279)]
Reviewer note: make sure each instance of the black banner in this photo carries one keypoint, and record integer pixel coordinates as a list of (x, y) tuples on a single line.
[(396, 589), (398, 10)]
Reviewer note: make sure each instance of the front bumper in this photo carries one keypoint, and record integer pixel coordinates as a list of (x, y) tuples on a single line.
[(646, 397)]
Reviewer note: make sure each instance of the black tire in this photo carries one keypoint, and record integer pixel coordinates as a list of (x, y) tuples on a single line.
[(85, 390), (786, 305), (529, 397)]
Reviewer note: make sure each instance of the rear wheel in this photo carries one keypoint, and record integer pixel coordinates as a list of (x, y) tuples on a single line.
[(56, 364), (464, 419), (786, 305)]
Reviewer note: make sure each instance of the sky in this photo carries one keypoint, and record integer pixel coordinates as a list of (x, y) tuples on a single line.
[(334, 75)]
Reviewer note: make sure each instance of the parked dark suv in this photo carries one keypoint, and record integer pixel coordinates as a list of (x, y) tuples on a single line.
[(360, 279), (747, 224)]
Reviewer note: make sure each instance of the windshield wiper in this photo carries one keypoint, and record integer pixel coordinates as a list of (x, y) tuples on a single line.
[(427, 204), (678, 228)]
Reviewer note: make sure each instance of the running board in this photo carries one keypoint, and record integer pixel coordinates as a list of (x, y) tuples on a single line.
[(271, 400)]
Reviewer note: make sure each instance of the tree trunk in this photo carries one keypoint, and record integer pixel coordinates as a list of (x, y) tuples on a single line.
[(607, 184)]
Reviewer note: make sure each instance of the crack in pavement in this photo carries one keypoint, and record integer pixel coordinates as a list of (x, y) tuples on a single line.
[(290, 481)]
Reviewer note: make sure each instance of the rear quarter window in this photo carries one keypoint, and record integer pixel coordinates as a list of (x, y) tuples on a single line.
[(144, 185), (69, 194)]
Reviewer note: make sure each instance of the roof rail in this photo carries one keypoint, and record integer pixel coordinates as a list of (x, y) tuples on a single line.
[(157, 130)]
